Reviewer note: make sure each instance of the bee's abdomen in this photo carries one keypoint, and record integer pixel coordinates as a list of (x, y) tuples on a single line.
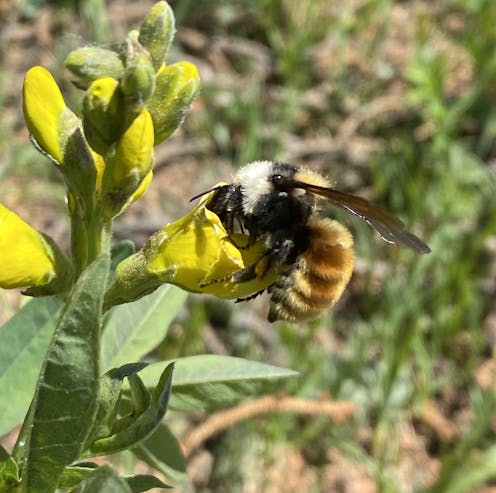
[(317, 279)]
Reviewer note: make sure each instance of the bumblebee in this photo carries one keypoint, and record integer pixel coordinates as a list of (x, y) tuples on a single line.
[(279, 203)]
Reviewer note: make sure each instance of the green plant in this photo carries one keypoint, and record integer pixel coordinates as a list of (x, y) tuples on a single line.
[(90, 323)]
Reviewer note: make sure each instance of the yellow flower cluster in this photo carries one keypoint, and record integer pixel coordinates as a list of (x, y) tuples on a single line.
[(133, 100)]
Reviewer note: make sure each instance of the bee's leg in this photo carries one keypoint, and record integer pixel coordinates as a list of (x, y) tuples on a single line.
[(253, 296), (241, 275)]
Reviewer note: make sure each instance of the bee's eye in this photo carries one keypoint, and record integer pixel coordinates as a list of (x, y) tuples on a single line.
[(276, 179)]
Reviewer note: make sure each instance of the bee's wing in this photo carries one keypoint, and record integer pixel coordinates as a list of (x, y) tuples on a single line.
[(384, 222)]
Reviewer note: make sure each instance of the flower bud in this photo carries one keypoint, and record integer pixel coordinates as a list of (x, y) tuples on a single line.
[(157, 31), (138, 82), (91, 63), (177, 86), (58, 132), (131, 163), (47, 117), (103, 115)]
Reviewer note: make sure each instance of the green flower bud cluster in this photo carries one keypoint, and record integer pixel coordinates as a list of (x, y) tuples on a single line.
[(143, 80), (133, 101)]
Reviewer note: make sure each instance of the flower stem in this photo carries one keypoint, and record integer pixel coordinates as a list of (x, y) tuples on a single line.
[(90, 234)]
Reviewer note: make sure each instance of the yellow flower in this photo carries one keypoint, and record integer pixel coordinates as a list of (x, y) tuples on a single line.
[(47, 117), (100, 170), (128, 172), (134, 153), (27, 258), (194, 253)]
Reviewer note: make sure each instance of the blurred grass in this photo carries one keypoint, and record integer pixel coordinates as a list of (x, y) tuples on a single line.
[(393, 100)]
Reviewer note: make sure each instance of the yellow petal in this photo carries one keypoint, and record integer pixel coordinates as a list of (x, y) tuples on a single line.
[(100, 169), (134, 153), (196, 250), (44, 109), (26, 258)]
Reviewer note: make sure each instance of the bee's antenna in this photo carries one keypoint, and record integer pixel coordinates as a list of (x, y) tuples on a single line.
[(204, 193)]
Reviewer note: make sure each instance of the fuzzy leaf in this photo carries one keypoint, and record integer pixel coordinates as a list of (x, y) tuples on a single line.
[(103, 479), (162, 452), (110, 390), (134, 329), (24, 340), (144, 482), (209, 382), (143, 426), (9, 471), (66, 399)]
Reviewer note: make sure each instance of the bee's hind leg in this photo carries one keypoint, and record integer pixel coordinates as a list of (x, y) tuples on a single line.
[(242, 275), (253, 296)]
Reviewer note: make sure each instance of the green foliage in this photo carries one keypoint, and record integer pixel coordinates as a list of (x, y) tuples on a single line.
[(102, 479), (65, 402), (208, 382), (25, 339), (161, 451), (133, 330)]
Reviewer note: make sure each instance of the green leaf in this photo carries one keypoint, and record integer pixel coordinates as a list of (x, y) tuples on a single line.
[(9, 472), (103, 480), (210, 382), (73, 475), (110, 390), (140, 401), (143, 426), (24, 342), (140, 395), (134, 329), (66, 398), (144, 482), (162, 452)]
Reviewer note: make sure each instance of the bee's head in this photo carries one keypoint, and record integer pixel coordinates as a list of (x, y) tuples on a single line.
[(263, 178)]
